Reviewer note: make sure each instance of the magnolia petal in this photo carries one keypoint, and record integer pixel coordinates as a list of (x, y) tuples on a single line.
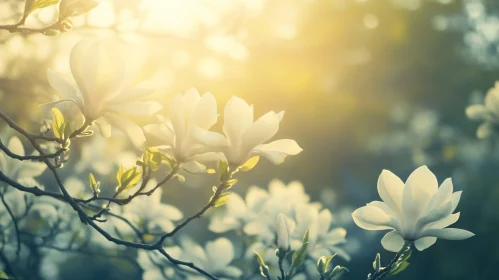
[(336, 236), (256, 227), (449, 233), (136, 109), (477, 112), (392, 241), (256, 198), (260, 131), (232, 272), (419, 188), (177, 115), (32, 169), (220, 252), (171, 212), (207, 157), (131, 94), (104, 127), (443, 195), (223, 224), (324, 221), (63, 87), (159, 135), (77, 57), (383, 206), (424, 183), (209, 138), (16, 146), (236, 206), (372, 218), (492, 99), (206, 111), (437, 213), (485, 130), (424, 242), (278, 150), (193, 249), (238, 116), (280, 115), (104, 74), (131, 130), (194, 167), (445, 222), (390, 189), (455, 200)]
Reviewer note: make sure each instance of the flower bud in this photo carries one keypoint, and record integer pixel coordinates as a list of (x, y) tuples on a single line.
[(283, 240), (321, 266)]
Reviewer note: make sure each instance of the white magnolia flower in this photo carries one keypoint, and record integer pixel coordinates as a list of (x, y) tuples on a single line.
[(416, 211), (488, 113), (283, 239), (16, 169), (151, 214), (214, 258), (244, 137), (190, 115), (102, 90)]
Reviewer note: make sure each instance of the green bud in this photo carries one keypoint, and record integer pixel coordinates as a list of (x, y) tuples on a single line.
[(338, 270), (377, 262)]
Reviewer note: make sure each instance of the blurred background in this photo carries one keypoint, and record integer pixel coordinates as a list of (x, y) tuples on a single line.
[(366, 85)]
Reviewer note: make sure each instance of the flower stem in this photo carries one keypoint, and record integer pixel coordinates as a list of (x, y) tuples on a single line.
[(383, 272)]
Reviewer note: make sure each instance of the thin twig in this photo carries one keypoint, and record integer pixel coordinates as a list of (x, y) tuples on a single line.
[(14, 221)]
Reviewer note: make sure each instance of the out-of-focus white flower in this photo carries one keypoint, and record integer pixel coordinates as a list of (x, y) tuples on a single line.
[(16, 169), (244, 137), (190, 115), (95, 154), (417, 211), (283, 239), (151, 214), (488, 113), (149, 261), (102, 90), (214, 258), (255, 217)]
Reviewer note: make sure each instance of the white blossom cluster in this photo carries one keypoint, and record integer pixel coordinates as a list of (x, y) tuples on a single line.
[(255, 217)]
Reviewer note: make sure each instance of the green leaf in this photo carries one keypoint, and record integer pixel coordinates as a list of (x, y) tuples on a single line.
[(128, 178), (3, 275), (377, 262), (152, 158), (249, 164), (223, 169), (337, 271), (398, 268), (230, 183), (327, 261), (58, 123), (94, 184), (300, 254), (121, 170), (221, 200), (259, 258)]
